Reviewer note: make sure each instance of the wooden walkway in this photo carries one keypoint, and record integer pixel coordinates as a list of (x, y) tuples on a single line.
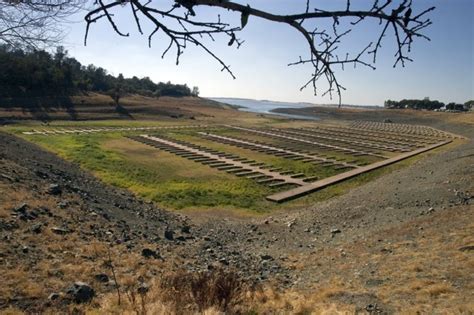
[(353, 133), (275, 177), (225, 162), (361, 138), (286, 153), (351, 142), (310, 187), (86, 130), (310, 142), (405, 129)]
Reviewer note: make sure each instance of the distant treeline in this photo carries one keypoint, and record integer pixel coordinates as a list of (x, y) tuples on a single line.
[(427, 104), (39, 73)]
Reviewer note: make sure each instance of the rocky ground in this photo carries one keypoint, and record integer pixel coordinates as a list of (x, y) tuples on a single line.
[(402, 242), (48, 202)]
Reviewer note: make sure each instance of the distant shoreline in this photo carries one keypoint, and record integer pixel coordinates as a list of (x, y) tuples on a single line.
[(299, 104)]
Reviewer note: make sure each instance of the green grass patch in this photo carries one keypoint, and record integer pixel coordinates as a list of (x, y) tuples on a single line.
[(180, 184), (171, 181)]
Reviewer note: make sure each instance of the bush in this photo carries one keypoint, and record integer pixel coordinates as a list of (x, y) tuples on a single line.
[(201, 291)]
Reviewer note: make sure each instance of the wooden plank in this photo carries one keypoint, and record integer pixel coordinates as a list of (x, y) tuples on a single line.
[(276, 151), (305, 189), (301, 140), (226, 163)]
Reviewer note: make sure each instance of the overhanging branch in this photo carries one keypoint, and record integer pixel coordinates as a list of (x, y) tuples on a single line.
[(182, 25)]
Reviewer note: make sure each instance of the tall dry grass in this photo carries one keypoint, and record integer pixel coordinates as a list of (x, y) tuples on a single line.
[(181, 292)]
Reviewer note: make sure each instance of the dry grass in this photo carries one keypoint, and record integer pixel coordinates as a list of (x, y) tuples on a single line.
[(219, 292), (269, 301), (180, 292), (53, 262), (421, 279), (417, 266), (94, 106)]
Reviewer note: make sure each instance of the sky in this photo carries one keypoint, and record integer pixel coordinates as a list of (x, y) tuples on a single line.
[(443, 68)]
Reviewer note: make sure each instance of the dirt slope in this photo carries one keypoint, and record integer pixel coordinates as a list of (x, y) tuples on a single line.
[(402, 243), (59, 224)]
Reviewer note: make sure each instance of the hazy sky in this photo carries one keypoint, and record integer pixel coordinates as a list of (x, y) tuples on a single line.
[(442, 69)]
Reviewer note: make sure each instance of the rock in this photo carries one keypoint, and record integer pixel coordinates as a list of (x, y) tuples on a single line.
[(60, 231), (372, 308), (169, 235), (467, 248), (54, 189), (24, 249), (143, 288), (386, 250), (32, 215), (7, 177), (181, 238), (8, 226), (53, 296), (41, 174), (335, 231), (81, 292), (63, 204), (36, 228), (21, 208), (266, 257), (185, 229), (149, 253), (101, 277), (224, 261), (431, 210)]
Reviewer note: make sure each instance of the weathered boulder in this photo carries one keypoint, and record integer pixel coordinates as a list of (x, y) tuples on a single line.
[(36, 228), (21, 207), (54, 189), (169, 235), (53, 296), (143, 288), (149, 253), (101, 277), (81, 292)]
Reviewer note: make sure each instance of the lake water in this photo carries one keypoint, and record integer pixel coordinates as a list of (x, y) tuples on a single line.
[(264, 107)]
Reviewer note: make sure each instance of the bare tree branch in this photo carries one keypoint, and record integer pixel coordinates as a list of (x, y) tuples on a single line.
[(182, 25), (34, 24)]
